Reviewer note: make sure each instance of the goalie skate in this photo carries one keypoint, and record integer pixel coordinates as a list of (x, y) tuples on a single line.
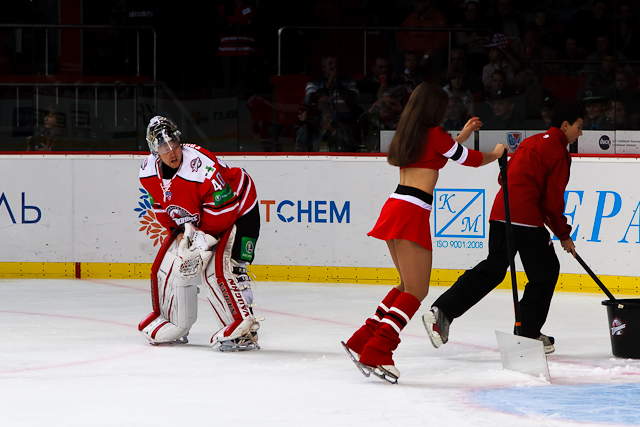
[(247, 342), (182, 340)]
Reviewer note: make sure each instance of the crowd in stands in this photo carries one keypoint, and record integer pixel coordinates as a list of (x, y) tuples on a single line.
[(507, 66)]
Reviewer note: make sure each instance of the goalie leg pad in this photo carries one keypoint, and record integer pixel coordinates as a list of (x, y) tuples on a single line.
[(176, 299), (227, 298)]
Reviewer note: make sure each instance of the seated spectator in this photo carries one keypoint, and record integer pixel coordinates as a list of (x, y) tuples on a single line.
[(506, 115), (384, 114), (507, 20), (497, 84), (497, 60), (432, 45), (574, 56), (614, 112), (341, 90), (472, 42), (456, 86), (605, 77), (456, 116), (458, 59), (594, 104), (542, 121), (412, 75), (379, 83), (48, 136), (604, 45), (542, 24), (630, 99), (529, 83), (627, 33), (264, 121), (531, 49), (584, 24), (321, 131)]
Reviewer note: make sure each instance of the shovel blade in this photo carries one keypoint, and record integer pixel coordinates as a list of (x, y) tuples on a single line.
[(523, 354)]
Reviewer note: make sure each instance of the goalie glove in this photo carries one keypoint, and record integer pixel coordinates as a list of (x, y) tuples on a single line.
[(194, 251)]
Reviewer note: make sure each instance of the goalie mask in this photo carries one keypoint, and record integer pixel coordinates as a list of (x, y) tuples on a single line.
[(162, 135)]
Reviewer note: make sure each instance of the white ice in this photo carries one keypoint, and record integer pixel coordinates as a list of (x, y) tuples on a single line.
[(71, 355)]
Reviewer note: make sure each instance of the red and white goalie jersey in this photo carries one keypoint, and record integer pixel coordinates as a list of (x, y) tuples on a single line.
[(204, 191)]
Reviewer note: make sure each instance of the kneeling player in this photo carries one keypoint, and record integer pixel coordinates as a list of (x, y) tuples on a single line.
[(212, 212)]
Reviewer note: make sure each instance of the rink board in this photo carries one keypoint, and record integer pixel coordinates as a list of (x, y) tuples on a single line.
[(85, 215)]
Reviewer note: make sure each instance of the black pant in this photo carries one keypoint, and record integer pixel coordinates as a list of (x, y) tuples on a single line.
[(540, 263), (247, 232)]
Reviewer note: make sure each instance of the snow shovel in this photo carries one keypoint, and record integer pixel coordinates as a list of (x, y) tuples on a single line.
[(518, 353)]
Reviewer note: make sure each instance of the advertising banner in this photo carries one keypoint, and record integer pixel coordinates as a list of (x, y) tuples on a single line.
[(315, 211)]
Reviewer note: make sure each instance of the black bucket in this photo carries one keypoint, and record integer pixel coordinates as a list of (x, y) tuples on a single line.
[(624, 327)]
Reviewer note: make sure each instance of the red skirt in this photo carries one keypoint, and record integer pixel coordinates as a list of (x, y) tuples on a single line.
[(404, 220)]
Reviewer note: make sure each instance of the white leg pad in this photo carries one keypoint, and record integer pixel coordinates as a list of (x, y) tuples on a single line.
[(178, 302), (225, 296)]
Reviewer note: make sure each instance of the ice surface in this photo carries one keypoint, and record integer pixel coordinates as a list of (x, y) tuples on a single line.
[(72, 356)]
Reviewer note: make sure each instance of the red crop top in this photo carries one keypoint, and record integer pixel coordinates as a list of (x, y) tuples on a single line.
[(440, 147)]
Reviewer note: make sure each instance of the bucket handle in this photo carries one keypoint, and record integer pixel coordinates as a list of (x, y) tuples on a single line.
[(595, 278)]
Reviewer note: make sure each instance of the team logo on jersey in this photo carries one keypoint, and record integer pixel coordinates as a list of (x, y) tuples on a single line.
[(514, 139), (618, 327), (148, 220), (182, 216), (144, 164), (195, 164)]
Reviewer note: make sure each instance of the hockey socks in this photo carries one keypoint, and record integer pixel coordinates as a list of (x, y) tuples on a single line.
[(379, 350), (362, 336)]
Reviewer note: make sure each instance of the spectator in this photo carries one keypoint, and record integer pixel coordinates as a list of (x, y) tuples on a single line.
[(545, 112), (559, 11), (497, 60), (605, 77), (614, 112), (412, 76), (594, 104), (505, 113), (541, 24), (498, 83), (47, 137), (472, 42), (530, 82), (384, 114), (378, 83), (456, 115), (574, 56), (456, 86), (264, 121), (237, 40), (532, 50), (431, 44), (458, 59), (342, 92), (584, 24), (603, 46), (506, 20), (630, 99), (320, 131), (627, 34)]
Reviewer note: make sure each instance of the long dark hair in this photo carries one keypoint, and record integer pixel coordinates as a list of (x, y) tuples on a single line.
[(426, 108)]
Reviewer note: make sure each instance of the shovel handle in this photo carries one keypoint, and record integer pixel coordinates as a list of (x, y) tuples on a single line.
[(595, 278)]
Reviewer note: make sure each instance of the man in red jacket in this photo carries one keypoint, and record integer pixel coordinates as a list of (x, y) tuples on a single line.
[(538, 174)]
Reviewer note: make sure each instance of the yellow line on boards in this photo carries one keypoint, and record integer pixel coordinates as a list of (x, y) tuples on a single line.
[(618, 285)]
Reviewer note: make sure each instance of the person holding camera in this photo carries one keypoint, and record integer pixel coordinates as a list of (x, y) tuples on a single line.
[(320, 130)]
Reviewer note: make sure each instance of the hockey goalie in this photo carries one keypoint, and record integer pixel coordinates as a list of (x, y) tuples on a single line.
[(212, 212)]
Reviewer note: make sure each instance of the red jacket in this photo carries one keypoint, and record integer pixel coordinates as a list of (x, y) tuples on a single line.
[(538, 174)]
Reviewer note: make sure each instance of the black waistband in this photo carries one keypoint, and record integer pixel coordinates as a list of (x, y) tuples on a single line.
[(415, 192)]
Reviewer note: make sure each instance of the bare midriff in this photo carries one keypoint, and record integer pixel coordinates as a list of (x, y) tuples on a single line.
[(424, 179)]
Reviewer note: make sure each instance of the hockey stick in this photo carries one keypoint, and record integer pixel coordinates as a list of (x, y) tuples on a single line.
[(511, 253), (595, 278)]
